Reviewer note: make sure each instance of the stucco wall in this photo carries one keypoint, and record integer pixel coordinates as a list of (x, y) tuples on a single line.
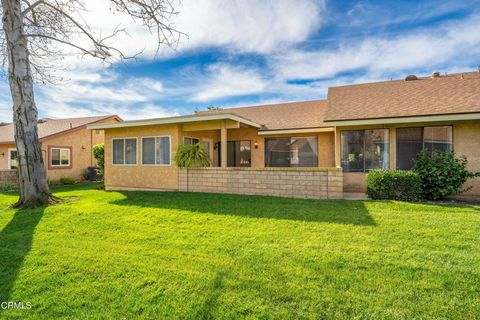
[(313, 183), (466, 142), (80, 141), (155, 177), (4, 155)]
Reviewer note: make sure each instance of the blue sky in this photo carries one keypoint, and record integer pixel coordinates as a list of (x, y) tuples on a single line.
[(254, 52)]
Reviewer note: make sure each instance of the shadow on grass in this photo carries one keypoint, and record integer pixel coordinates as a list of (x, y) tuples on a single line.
[(330, 211), (15, 244)]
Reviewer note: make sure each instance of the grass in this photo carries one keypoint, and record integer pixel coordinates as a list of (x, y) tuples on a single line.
[(199, 256)]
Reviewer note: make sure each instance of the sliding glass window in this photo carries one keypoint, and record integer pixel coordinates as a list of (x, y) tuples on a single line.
[(410, 141), (291, 152), (364, 150)]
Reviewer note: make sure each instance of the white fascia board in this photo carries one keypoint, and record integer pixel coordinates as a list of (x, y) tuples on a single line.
[(294, 131), (172, 120)]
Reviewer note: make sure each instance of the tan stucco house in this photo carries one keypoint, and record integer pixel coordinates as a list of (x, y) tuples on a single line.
[(66, 145), (313, 149)]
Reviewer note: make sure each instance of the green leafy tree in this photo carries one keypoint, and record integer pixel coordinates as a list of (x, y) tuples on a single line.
[(99, 155), (192, 156), (442, 174)]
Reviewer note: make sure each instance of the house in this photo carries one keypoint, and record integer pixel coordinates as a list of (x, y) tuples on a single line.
[(66, 145), (311, 149)]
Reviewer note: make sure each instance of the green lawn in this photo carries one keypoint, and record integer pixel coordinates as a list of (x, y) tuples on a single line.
[(177, 255)]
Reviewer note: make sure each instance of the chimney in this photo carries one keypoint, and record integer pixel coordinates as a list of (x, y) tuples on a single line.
[(436, 74)]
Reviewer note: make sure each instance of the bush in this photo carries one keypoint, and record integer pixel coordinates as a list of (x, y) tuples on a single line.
[(8, 187), (99, 155), (66, 181), (441, 174), (192, 155), (394, 185)]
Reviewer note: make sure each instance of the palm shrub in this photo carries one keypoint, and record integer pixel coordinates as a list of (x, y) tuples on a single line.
[(192, 156), (442, 174)]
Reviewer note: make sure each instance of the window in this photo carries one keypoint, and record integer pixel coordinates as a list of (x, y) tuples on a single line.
[(238, 153), (12, 159), (410, 141), (364, 150), (291, 152), (59, 157), (156, 150), (124, 151), (189, 140)]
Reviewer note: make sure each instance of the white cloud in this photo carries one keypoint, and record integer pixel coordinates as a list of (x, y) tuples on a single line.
[(421, 50), (248, 25), (226, 81)]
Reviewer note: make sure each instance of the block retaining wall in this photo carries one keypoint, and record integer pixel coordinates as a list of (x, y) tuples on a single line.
[(8, 176), (311, 183)]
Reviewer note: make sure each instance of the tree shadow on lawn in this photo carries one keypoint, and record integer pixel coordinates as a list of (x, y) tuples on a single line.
[(15, 244), (330, 211)]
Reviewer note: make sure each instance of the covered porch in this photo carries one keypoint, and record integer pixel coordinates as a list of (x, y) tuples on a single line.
[(290, 163)]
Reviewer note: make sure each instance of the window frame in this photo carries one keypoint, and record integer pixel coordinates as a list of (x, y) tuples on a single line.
[(364, 166), (9, 163), (124, 154), (423, 139), (155, 154), (59, 166), (189, 137), (290, 158)]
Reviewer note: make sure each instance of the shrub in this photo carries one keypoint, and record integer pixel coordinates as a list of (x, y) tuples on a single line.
[(8, 187), (394, 185), (442, 174), (66, 181), (53, 183), (99, 155), (192, 155)]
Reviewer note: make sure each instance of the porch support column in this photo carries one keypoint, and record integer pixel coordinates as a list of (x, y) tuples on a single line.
[(223, 140)]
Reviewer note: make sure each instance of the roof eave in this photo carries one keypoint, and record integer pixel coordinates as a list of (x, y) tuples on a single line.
[(174, 120)]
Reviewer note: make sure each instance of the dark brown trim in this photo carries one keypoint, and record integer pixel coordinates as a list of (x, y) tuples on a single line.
[(52, 167)]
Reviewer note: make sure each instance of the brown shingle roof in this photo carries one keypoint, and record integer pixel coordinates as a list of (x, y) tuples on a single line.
[(48, 127), (399, 98), (291, 115)]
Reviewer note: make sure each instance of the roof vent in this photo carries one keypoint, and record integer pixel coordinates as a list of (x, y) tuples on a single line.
[(436, 74), (411, 77)]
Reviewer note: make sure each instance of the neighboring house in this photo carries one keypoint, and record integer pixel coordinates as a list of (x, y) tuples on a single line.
[(285, 149), (66, 145)]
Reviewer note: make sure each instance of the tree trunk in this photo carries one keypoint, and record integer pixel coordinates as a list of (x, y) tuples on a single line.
[(34, 190)]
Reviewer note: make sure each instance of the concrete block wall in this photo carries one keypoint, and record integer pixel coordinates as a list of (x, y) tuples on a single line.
[(310, 183), (8, 176)]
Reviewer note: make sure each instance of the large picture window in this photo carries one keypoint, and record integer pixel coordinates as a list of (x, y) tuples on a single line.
[(60, 157), (291, 152), (410, 141), (124, 151), (156, 150), (364, 150)]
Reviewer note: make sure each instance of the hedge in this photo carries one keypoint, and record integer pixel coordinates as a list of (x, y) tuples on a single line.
[(394, 185)]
